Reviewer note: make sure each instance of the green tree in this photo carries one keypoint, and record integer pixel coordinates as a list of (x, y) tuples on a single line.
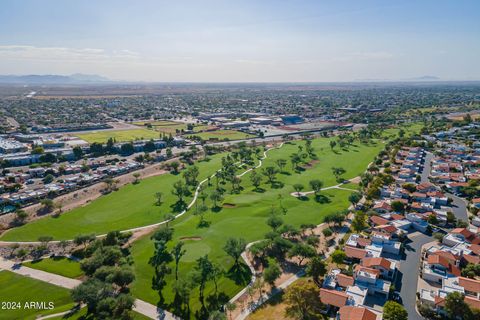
[(298, 187), (158, 198), (316, 186), (180, 190), (272, 273), (394, 311), (354, 198), (234, 248), (398, 206), (316, 268), (302, 301), (359, 222), (256, 179), (270, 172), (455, 306), (301, 251), (338, 256), (203, 273), (216, 197), (281, 163)]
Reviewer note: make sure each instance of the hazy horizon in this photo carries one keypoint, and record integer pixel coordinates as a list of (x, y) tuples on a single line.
[(247, 42)]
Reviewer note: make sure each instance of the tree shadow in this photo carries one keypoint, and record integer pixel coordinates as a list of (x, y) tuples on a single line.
[(259, 190), (239, 273), (303, 198), (277, 185), (216, 209), (203, 224), (216, 301), (179, 206), (320, 198)]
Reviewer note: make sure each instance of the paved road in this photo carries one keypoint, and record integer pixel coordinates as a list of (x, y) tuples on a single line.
[(427, 167), (407, 276), (459, 206)]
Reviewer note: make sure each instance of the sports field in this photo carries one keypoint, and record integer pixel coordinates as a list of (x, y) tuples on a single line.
[(118, 135), (22, 289), (223, 135), (58, 265)]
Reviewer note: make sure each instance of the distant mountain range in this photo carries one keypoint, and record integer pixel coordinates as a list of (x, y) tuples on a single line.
[(76, 78), (422, 78)]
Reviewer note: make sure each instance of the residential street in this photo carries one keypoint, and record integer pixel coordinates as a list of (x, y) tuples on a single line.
[(408, 272), (459, 206)]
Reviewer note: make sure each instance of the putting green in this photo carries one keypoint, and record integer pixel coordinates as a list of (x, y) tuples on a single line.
[(195, 250)]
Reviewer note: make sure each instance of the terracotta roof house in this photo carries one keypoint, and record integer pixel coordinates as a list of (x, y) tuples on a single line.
[(466, 234), (471, 286), (471, 259), (344, 281), (363, 242), (442, 263), (396, 216), (376, 262), (333, 297), (378, 221), (472, 302), (386, 267), (382, 207), (355, 253), (475, 249), (356, 313)]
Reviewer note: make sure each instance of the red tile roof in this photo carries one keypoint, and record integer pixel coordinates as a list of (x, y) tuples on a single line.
[(447, 255), (396, 216), (376, 262), (475, 248), (333, 297), (387, 228), (368, 270), (471, 285), (437, 259), (344, 280), (472, 302), (440, 260), (356, 313), (363, 242), (356, 253), (379, 221), (471, 259), (439, 301)]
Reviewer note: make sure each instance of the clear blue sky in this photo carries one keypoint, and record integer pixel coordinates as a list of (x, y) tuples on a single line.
[(249, 40)]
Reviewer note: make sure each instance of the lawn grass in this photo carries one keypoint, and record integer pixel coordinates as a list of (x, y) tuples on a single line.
[(58, 265), (131, 206), (118, 135), (222, 135), (22, 289), (246, 214)]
